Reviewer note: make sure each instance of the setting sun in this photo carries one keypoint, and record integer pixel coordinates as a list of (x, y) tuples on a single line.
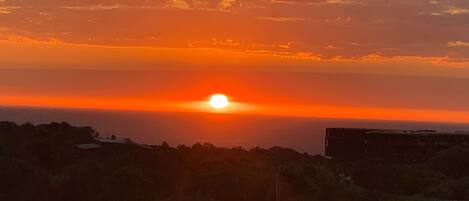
[(219, 101)]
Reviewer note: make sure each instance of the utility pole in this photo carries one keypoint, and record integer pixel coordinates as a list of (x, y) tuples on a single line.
[(277, 184)]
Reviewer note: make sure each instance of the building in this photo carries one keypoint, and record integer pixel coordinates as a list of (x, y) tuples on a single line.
[(87, 149), (396, 144), (88, 146), (114, 140)]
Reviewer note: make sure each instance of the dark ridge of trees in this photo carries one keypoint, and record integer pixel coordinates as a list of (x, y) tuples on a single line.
[(41, 162)]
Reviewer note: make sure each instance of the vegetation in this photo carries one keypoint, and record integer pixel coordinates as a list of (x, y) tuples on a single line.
[(42, 163)]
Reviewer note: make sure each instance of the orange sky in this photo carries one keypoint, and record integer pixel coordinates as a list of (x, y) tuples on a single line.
[(321, 111), (403, 60)]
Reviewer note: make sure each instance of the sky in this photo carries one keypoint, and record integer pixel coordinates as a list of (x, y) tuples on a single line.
[(370, 59)]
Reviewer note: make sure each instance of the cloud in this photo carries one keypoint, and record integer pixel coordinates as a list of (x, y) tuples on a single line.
[(454, 62), (453, 10), (318, 3), (458, 44), (226, 4), (8, 9), (399, 28), (338, 20), (332, 47), (96, 7), (26, 40), (180, 4), (99, 7), (283, 19), (346, 2)]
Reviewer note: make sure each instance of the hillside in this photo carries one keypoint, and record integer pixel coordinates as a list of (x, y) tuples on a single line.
[(60, 162)]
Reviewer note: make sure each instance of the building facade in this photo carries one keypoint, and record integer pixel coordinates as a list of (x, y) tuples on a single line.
[(397, 144)]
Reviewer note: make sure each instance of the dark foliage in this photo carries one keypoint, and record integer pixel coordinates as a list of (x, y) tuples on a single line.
[(42, 163)]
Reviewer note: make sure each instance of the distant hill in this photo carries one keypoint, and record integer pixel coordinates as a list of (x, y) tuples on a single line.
[(60, 162)]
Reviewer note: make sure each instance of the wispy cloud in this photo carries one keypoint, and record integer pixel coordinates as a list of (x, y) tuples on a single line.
[(330, 28), (27, 40), (318, 3), (332, 47), (283, 19), (453, 10), (458, 43), (344, 2), (203, 5), (98, 7), (8, 9)]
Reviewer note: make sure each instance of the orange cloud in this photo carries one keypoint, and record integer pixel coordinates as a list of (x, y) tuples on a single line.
[(458, 43), (393, 29), (453, 10), (8, 9)]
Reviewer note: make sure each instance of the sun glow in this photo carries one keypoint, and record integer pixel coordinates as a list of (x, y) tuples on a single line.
[(219, 101)]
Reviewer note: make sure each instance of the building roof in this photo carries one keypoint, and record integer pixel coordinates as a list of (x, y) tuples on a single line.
[(88, 146), (115, 141), (418, 132), (408, 132)]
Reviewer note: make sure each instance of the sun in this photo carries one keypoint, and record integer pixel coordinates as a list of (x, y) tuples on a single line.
[(219, 101)]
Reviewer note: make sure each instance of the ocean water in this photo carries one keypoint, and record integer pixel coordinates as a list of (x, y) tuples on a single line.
[(226, 130)]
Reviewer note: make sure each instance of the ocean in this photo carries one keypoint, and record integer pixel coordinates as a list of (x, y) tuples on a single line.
[(224, 130)]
